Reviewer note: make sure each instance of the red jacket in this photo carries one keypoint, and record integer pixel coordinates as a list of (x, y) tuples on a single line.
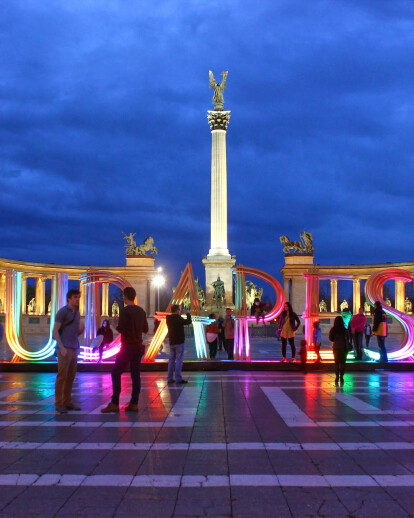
[(358, 323)]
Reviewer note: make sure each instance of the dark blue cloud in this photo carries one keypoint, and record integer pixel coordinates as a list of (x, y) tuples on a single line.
[(103, 128)]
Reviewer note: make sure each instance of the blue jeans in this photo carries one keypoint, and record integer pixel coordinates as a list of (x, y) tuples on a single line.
[(381, 347), (175, 362), (123, 358)]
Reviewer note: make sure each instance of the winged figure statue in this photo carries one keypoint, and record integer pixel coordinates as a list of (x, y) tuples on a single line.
[(218, 99)]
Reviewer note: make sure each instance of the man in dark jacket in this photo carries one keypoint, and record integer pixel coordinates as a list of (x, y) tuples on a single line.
[(132, 323), (175, 324)]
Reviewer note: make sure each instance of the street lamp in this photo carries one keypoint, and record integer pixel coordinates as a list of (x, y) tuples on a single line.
[(158, 281)]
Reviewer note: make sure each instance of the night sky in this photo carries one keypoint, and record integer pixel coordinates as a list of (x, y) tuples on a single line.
[(103, 128)]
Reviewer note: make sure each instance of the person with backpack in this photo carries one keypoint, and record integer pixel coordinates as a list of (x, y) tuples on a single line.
[(340, 337), (66, 331), (288, 324), (211, 336), (379, 328)]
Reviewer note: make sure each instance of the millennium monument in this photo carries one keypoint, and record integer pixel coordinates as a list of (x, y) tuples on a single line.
[(218, 263)]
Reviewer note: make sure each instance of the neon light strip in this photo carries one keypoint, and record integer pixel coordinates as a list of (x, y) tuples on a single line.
[(241, 334), (373, 292), (92, 279)]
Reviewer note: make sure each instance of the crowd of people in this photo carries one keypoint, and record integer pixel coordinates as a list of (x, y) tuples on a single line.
[(346, 334)]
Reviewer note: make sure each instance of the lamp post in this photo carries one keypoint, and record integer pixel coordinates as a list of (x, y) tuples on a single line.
[(158, 281)]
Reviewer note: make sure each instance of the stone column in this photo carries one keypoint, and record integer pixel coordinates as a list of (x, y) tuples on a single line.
[(3, 292), (83, 300), (356, 295), (24, 288), (105, 299), (40, 296), (334, 295), (399, 295), (218, 262)]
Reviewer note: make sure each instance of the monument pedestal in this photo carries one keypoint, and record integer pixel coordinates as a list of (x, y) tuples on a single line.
[(219, 266)]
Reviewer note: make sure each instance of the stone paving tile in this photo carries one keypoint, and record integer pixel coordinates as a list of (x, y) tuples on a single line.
[(314, 502), (292, 462), (163, 463), (120, 463), (145, 508), (248, 502), (206, 462), (249, 462), (375, 462), (203, 502), (376, 502), (335, 463)]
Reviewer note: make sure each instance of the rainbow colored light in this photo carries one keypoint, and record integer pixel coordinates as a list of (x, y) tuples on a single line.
[(184, 286), (241, 330), (92, 280)]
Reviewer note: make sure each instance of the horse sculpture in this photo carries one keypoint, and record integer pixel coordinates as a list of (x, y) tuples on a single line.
[(147, 246), (304, 246)]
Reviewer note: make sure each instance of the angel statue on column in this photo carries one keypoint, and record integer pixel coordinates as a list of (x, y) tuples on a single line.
[(218, 99)]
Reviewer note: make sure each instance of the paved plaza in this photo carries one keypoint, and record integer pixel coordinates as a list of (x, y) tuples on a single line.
[(257, 444)]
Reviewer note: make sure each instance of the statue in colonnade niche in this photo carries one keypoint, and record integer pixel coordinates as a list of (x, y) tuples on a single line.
[(115, 309), (344, 305), (31, 307), (49, 307), (367, 307), (323, 308), (388, 302), (219, 292), (408, 305)]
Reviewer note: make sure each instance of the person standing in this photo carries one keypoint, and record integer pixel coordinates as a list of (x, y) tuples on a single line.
[(211, 336), (368, 334), (357, 328), (340, 337), (228, 326), (220, 336), (317, 341), (176, 335), (288, 324), (379, 328), (131, 324), (66, 332)]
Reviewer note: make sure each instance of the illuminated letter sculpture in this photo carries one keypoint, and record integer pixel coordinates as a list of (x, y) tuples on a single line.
[(241, 330), (185, 285)]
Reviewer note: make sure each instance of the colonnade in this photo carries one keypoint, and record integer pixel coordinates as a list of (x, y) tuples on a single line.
[(40, 296)]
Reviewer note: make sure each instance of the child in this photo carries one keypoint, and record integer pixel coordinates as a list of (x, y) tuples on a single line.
[(303, 353), (368, 333), (317, 340)]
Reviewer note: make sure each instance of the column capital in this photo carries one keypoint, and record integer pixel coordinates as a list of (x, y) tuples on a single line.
[(218, 120)]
